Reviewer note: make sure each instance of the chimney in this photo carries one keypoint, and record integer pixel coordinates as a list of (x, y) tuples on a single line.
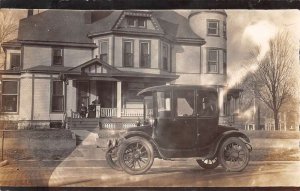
[(29, 12)]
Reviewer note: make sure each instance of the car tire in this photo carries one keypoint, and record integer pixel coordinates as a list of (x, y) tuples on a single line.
[(208, 163), (136, 152), (234, 154), (112, 159)]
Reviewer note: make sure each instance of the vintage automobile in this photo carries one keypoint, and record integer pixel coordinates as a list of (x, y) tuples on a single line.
[(180, 121)]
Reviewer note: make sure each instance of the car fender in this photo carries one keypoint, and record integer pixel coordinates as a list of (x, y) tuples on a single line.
[(225, 135), (127, 135)]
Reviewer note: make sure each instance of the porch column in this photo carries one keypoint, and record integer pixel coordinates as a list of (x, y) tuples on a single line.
[(221, 101), (119, 98)]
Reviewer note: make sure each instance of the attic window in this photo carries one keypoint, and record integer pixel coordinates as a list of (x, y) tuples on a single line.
[(130, 21), (142, 22)]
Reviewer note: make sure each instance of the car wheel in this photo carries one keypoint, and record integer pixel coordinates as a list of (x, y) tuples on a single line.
[(136, 155), (234, 154), (112, 159), (208, 163)]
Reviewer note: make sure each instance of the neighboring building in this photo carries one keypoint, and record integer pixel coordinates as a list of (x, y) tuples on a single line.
[(62, 59)]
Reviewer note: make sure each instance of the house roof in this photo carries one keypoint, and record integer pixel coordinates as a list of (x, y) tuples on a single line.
[(47, 69), (71, 26), (55, 25)]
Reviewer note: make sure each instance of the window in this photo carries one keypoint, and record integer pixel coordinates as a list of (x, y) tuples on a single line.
[(184, 100), (141, 22), (165, 57), (15, 61), (9, 96), (128, 54), (224, 30), (57, 96), (206, 104), (131, 21), (225, 61), (213, 28), (162, 105), (212, 60), (138, 22), (57, 56), (145, 55), (103, 51)]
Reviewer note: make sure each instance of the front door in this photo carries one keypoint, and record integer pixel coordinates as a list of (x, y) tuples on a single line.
[(106, 94), (82, 94)]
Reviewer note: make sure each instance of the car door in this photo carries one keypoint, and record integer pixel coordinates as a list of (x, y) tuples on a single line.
[(184, 124), (207, 116)]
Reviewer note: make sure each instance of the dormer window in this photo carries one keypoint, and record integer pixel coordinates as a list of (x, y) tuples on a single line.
[(142, 22), (138, 22), (130, 21)]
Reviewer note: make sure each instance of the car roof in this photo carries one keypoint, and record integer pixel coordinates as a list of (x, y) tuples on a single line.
[(176, 86)]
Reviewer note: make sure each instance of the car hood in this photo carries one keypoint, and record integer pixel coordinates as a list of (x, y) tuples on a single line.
[(144, 128)]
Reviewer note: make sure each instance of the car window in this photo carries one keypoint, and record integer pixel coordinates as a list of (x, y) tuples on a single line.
[(184, 100), (163, 104), (206, 104)]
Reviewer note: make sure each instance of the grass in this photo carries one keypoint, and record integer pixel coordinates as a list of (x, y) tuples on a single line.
[(275, 155), (273, 134)]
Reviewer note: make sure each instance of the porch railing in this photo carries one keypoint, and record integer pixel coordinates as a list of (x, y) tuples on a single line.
[(112, 112), (132, 112), (108, 112)]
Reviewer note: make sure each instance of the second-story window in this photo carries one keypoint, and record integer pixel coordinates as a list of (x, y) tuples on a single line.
[(15, 61), (212, 61), (224, 30), (57, 56), (225, 61), (213, 28), (165, 57), (128, 53), (145, 55), (103, 51)]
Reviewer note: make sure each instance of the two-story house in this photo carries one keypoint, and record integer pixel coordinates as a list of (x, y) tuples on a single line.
[(62, 59)]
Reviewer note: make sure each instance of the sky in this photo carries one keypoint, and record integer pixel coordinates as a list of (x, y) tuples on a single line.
[(249, 28)]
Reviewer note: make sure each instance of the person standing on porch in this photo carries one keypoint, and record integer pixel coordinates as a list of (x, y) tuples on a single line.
[(83, 111)]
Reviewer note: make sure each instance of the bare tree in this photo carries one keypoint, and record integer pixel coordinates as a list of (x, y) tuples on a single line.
[(272, 80), (8, 26)]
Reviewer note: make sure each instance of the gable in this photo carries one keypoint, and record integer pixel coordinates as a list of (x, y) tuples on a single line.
[(94, 66), (137, 21)]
